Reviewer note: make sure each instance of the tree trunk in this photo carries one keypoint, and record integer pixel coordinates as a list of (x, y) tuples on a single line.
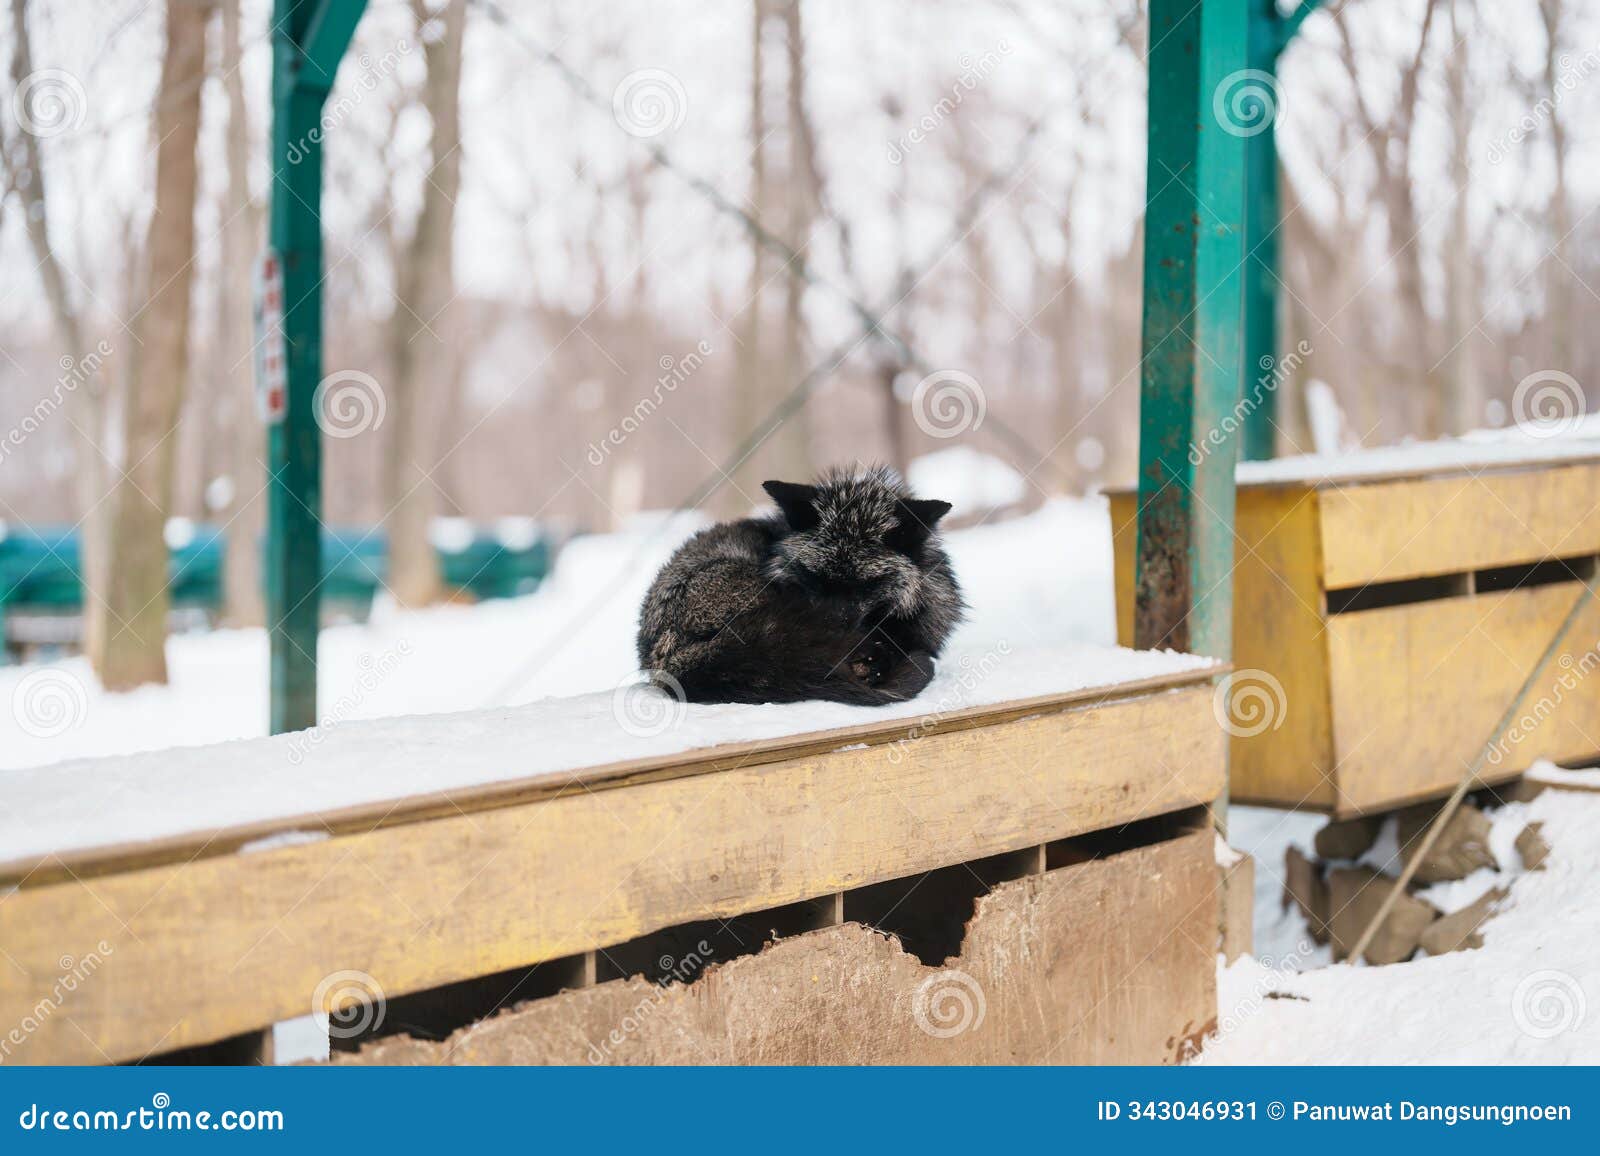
[(791, 444), (244, 438), (135, 629), (1464, 389), (418, 354), (749, 385), (87, 405), (1559, 276)]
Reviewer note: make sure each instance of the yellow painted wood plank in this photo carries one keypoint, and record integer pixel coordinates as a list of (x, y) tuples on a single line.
[(67, 863), (1404, 529), (1124, 555), (1284, 755), (1279, 651), (1417, 690), (191, 952)]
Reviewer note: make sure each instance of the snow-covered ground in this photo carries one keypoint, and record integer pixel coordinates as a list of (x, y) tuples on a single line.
[(1042, 581), (1529, 995)]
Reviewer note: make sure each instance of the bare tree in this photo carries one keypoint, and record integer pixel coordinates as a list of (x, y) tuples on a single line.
[(136, 604), (749, 369), (1465, 397), (242, 433), (87, 412), (419, 361), (791, 444), (1559, 279), (1389, 145)]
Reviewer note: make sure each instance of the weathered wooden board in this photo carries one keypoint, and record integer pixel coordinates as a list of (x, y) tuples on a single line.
[(200, 950), (1111, 961), (1417, 690), (1386, 706), (943, 715), (1280, 654), (1387, 531), (1279, 645)]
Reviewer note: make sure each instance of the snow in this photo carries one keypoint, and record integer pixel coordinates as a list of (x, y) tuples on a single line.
[(164, 793), (1041, 623), (1530, 995), (1039, 580), (1545, 771), (516, 533), (178, 532), (1463, 454), (452, 535)]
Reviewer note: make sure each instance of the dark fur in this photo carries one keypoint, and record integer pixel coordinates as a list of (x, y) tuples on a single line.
[(844, 594)]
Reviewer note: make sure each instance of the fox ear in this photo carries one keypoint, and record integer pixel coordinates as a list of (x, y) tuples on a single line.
[(796, 501), (926, 512), (917, 519)]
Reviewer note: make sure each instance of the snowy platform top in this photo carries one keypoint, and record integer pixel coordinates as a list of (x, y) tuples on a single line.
[(260, 793), (1472, 454)]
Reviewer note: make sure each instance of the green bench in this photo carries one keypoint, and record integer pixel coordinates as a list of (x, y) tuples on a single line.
[(40, 567)]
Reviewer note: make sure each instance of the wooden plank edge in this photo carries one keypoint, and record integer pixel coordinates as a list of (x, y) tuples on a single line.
[(57, 867)]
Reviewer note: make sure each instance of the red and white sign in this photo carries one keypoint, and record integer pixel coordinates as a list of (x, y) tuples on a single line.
[(272, 370)]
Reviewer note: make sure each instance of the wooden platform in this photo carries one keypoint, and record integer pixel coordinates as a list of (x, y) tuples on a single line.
[(1393, 616), (199, 938)]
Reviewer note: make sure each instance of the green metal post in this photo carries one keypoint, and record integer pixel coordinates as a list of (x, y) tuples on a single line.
[(1270, 34), (1261, 219), (309, 38), (1193, 326)]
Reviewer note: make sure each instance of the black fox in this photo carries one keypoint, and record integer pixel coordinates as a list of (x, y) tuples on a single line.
[(844, 594)]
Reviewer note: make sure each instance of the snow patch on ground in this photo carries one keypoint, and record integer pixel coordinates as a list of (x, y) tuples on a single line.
[(1530, 995)]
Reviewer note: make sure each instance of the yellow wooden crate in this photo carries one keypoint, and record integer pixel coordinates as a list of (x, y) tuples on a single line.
[(1384, 622)]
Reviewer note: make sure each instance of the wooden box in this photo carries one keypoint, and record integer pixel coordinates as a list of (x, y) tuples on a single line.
[(1384, 619)]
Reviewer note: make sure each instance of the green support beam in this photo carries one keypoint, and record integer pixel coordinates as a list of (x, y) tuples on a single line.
[(310, 37), (1270, 34), (1191, 370)]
